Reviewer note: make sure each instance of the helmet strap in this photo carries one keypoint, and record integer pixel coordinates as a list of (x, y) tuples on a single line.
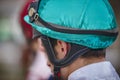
[(57, 74)]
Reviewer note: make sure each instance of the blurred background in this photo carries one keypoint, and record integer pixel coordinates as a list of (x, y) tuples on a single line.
[(15, 39)]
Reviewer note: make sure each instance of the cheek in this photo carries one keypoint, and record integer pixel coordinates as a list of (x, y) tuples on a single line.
[(41, 48), (51, 66), (47, 63)]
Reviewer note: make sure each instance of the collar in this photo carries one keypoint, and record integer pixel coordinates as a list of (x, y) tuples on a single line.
[(96, 71)]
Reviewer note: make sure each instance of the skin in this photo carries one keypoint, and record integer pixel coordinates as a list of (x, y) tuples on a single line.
[(61, 50)]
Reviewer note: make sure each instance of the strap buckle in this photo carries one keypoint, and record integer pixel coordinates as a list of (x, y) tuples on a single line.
[(33, 15)]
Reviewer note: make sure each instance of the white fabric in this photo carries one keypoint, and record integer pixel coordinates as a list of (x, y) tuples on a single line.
[(97, 71)]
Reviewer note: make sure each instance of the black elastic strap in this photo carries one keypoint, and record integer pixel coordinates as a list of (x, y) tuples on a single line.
[(75, 52), (57, 75), (63, 29)]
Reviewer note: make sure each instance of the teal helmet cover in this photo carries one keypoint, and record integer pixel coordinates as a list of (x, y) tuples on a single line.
[(78, 14)]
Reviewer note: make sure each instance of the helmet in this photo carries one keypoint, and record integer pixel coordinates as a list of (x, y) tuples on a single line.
[(81, 15)]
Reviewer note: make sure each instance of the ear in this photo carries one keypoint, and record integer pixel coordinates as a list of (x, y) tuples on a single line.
[(62, 49)]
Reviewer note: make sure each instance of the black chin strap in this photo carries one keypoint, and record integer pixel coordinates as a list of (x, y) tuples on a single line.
[(57, 74), (74, 52)]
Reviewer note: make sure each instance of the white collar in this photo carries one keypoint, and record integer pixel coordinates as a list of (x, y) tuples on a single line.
[(96, 71)]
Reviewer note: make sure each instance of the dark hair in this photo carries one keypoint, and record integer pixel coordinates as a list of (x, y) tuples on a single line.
[(91, 53)]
